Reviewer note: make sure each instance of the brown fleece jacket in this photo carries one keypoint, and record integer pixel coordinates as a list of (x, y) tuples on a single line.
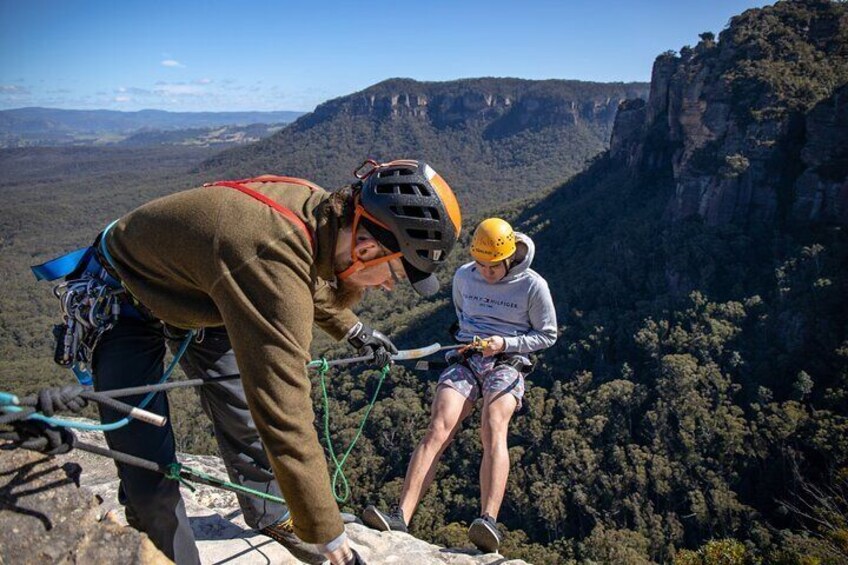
[(212, 256)]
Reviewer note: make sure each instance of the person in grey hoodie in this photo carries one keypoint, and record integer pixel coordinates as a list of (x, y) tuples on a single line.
[(505, 311)]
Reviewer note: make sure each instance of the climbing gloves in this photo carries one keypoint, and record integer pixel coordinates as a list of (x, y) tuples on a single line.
[(368, 340), (454, 357)]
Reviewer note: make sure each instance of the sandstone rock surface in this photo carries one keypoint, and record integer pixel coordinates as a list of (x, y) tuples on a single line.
[(65, 509)]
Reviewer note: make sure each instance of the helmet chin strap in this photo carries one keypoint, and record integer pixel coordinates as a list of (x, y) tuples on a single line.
[(356, 263), (359, 265)]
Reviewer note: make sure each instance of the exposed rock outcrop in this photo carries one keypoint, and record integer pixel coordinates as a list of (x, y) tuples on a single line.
[(65, 510), (46, 518), (822, 189), (522, 103), (745, 131)]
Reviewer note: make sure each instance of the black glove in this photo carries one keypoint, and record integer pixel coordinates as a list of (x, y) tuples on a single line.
[(58, 399), (368, 340), (42, 437), (454, 357)]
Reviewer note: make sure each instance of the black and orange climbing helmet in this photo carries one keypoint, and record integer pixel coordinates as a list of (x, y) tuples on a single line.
[(410, 209)]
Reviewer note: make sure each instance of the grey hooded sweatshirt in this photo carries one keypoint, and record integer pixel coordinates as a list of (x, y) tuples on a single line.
[(518, 307)]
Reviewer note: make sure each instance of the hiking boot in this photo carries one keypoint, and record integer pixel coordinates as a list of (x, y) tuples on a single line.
[(348, 518), (484, 534), (391, 522), (282, 532)]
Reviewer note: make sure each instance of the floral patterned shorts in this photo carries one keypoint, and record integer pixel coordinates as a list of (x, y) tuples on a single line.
[(480, 375)]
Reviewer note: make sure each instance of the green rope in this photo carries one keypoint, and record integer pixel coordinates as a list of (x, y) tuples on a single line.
[(178, 472), (338, 474), (184, 474), (175, 473)]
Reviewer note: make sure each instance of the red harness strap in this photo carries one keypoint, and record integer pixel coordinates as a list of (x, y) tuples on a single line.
[(291, 216)]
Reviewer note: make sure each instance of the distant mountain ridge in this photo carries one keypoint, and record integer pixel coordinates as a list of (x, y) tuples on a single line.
[(494, 139), (51, 126), (219, 137)]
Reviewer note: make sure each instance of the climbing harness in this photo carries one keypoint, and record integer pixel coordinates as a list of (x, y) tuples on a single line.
[(91, 299), (284, 211), (518, 362)]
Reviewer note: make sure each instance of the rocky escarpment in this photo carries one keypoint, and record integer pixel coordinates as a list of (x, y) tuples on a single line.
[(509, 105), (747, 129), (65, 509), (46, 518), (493, 139)]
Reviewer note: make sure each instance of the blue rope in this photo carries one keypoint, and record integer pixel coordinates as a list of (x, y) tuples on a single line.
[(119, 423), (103, 248)]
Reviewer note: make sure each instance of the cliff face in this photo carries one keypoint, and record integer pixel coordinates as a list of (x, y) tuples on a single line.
[(507, 105), (493, 139), (751, 128)]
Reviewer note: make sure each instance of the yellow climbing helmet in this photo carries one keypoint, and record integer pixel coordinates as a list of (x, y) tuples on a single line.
[(493, 241)]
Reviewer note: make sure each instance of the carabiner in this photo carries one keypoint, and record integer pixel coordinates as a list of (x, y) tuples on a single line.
[(357, 172)]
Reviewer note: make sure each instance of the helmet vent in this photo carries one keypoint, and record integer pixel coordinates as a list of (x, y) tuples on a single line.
[(434, 255), (425, 234), (415, 212), (394, 173)]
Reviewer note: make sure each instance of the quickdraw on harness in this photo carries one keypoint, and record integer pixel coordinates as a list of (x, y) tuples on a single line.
[(91, 301)]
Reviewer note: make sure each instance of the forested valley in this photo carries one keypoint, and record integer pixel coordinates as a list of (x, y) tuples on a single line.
[(695, 407)]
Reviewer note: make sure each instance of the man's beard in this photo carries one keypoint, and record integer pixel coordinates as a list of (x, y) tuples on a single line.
[(347, 294)]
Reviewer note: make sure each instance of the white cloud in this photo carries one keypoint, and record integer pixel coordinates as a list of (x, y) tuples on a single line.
[(172, 63), (121, 99), (13, 89), (179, 90), (135, 91), (202, 81)]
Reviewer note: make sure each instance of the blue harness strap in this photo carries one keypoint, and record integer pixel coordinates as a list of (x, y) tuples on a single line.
[(62, 266), (95, 301)]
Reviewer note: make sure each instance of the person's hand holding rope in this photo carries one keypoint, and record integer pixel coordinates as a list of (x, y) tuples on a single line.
[(61, 399), (487, 347), (368, 340)]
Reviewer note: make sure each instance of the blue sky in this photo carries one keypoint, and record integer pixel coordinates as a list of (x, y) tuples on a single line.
[(292, 55)]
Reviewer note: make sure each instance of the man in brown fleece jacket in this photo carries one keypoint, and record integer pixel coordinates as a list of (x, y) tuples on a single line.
[(256, 262)]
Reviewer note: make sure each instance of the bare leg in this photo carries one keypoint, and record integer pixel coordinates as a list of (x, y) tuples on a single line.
[(449, 409), (494, 470)]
